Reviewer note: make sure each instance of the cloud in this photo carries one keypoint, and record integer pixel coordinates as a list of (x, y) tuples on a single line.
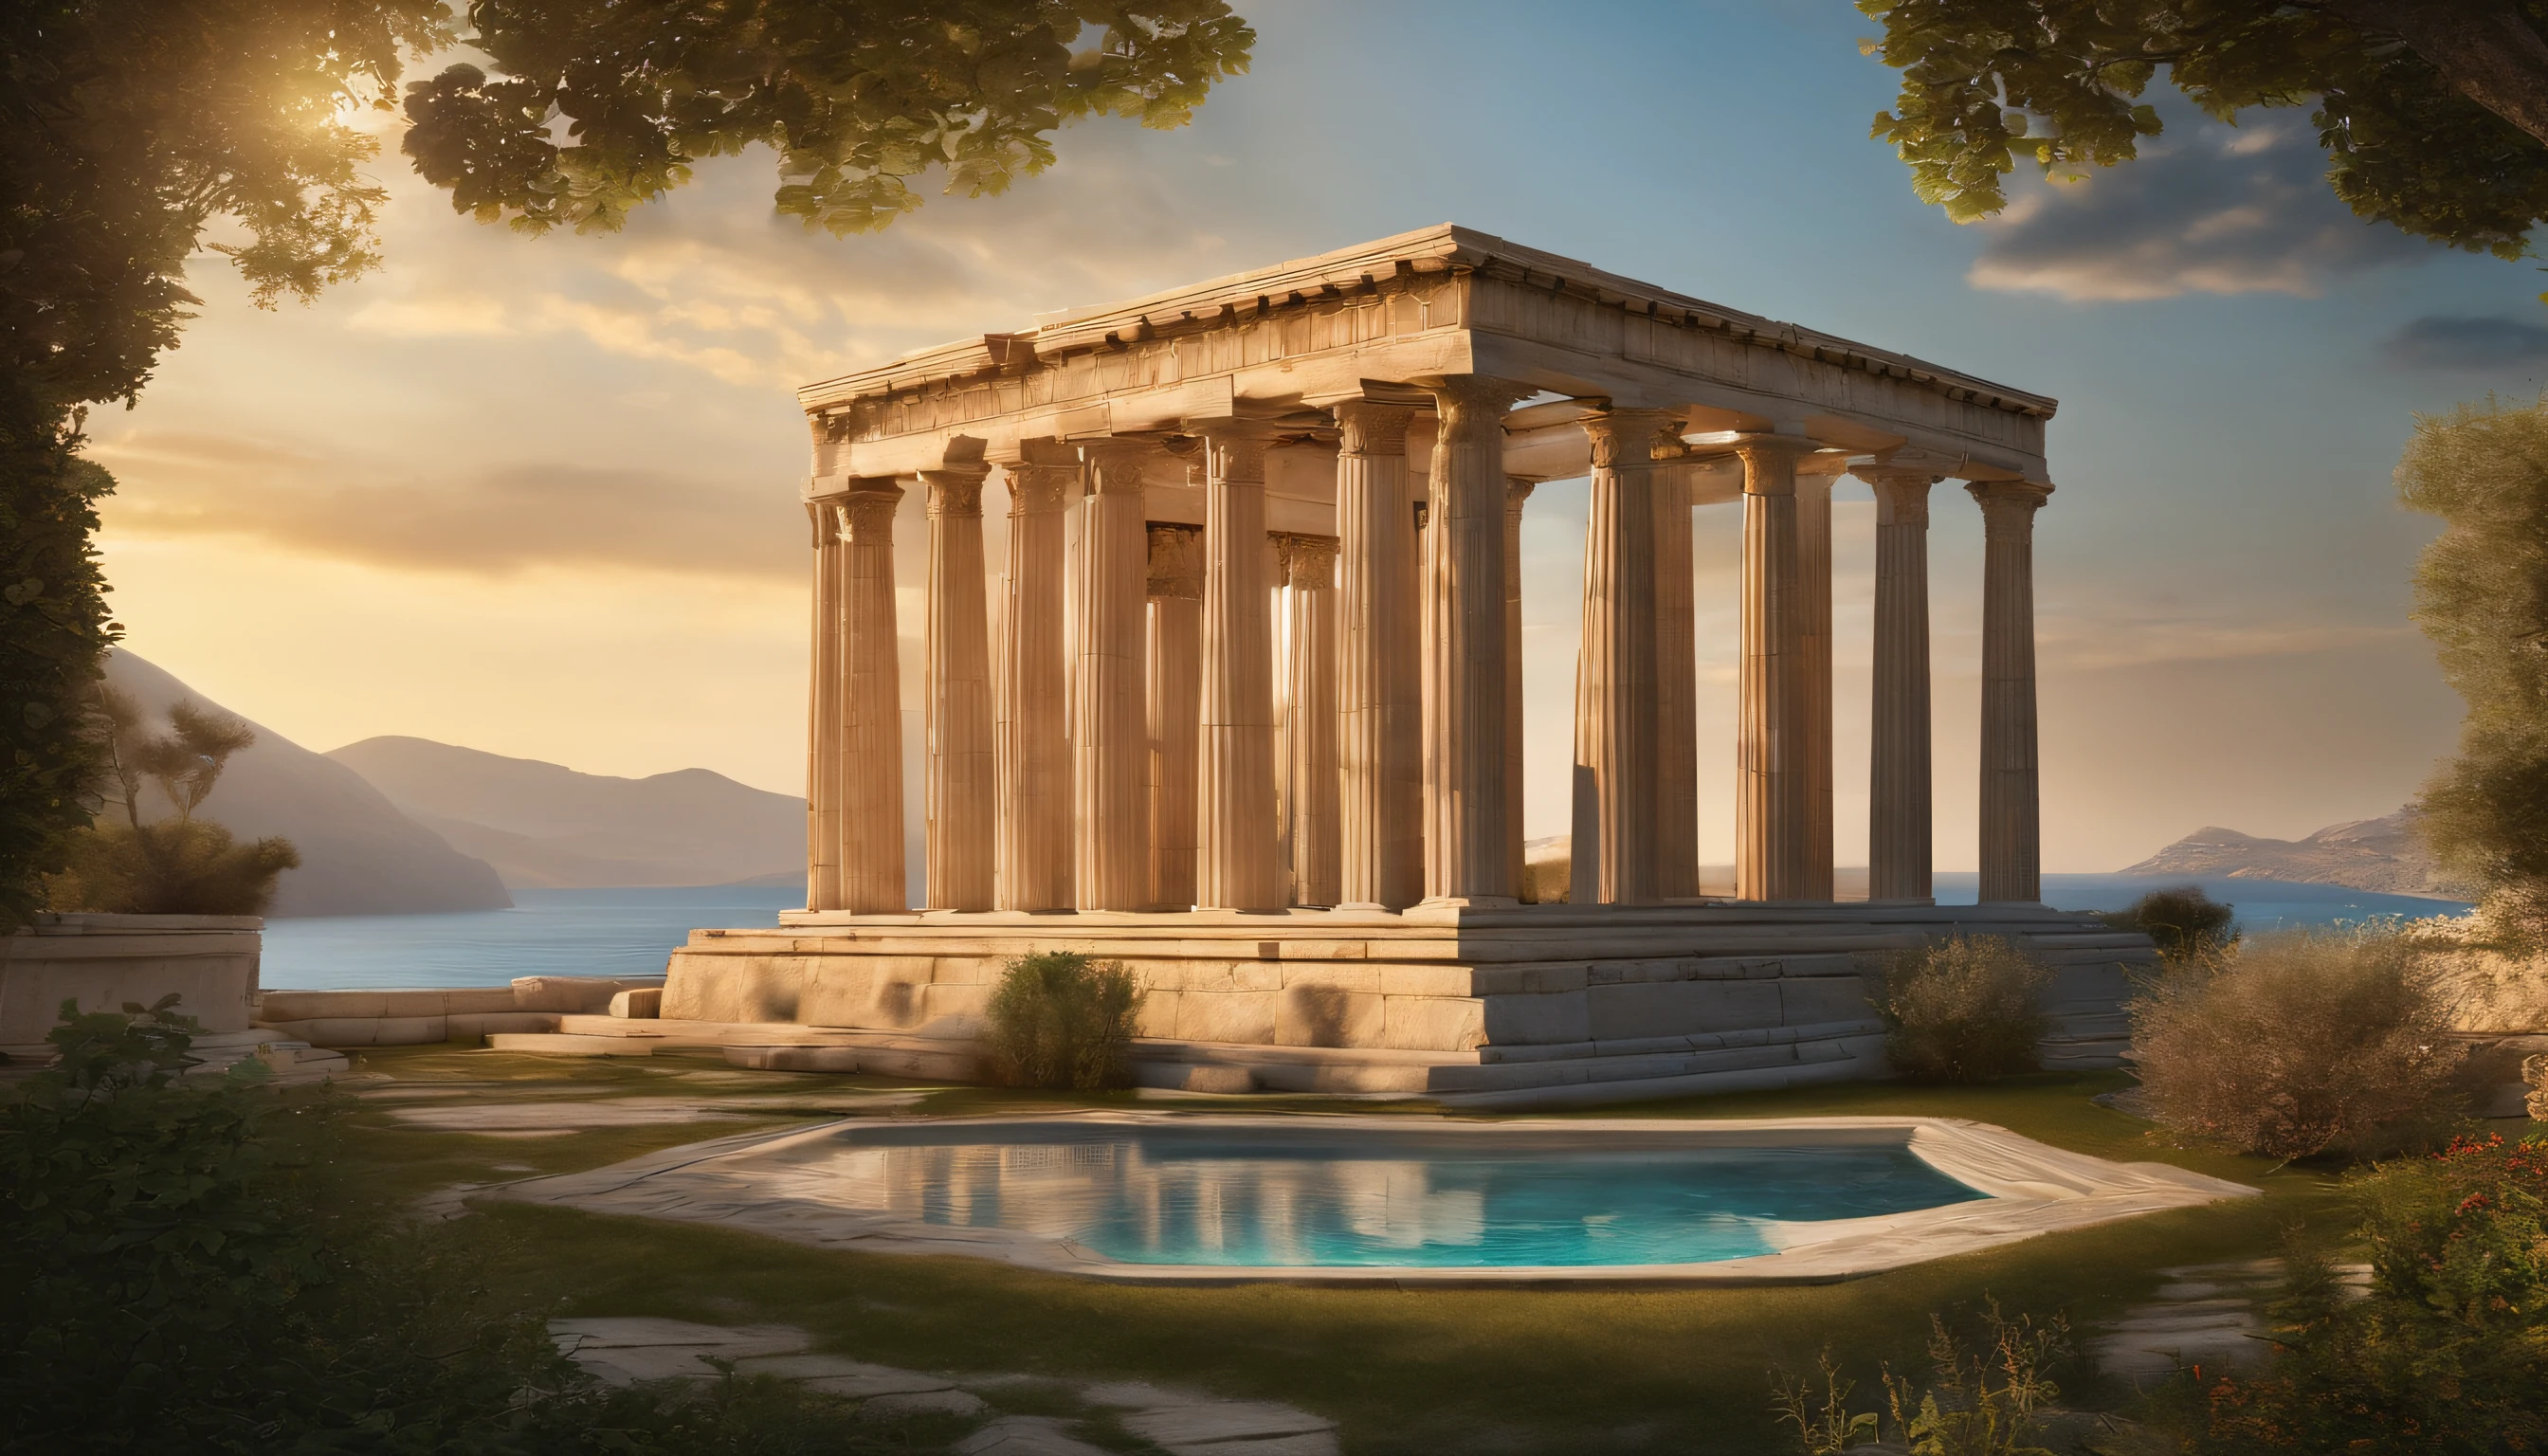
[(2089, 645), (2444, 341), (2207, 208), (496, 521)]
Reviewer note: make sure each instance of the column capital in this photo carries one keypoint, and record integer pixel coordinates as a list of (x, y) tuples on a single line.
[(2008, 502), (1235, 450), (1459, 396), (1309, 562), (956, 492), (1626, 439), (867, 512), (1518, 488), (1177, 561), (825, 521), (1901, 492), (1370, 429), (1118, 466), (1036, 488), (1770, 461)]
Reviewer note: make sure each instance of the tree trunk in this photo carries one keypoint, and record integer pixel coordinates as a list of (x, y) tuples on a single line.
[(2486, 50)]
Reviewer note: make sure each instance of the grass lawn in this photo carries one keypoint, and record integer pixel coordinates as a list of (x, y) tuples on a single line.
[(1416, 1371)]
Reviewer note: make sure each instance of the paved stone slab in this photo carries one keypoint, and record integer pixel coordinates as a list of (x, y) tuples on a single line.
[(880, 1383), (804, 1367), (732, 1341), (1309, 1443), (1181, 1427), (921, 1402), (1025, 1435), (1140, 1395)]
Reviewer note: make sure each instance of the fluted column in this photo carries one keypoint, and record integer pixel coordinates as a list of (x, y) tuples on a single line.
[(1616, 705), (1110, 707), (1814, 479), (1176, 698), (1770, 844), (963, 789), (1676, 689), (1898, 812), (1518, 491), (823, 716), (1468, 851), (2011, 821), (872, 856), (1379, 698), (1035, 840), (1236, 864), (1313, 802)]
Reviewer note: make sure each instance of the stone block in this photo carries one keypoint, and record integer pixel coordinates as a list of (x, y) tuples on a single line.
[(645, 1003), (1564, 1016), (1676, 1008), (1158, 1013), (1822, 998), (1432, 1023), (469, 1027), (954, 1010), (1228, 1016), (572, 993), (1529, 979), (301, 1006), (732, 988), (1333, 976), (1328, 1016), (794, 1058), (1402, 979)]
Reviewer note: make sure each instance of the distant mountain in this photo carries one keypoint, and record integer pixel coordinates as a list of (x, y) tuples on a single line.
[(548, 827), (2380, 855), (359, 855)]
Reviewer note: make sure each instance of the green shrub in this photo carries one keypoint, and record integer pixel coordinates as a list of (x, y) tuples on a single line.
[(1060, 1020), (1985, 1402), (2445, 1354), (2300, 1042), (1964, 1009), (2187, 924)]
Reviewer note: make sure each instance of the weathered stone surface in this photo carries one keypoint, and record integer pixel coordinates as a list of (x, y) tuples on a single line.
[(1661, 1007), (1179, 1427), (901, 1406), (1328, 1016), (1025, 1435)]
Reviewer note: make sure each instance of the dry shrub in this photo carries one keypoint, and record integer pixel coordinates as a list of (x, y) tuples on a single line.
[(1062, 1021), (2301, 1042), (1962, 1009), (2184, 923)]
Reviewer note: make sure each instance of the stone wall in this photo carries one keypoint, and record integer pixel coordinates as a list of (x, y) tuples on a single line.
[(105, 961), (413, 1018)]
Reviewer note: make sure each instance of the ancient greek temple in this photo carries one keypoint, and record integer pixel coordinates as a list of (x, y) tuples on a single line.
[(1319, 848)]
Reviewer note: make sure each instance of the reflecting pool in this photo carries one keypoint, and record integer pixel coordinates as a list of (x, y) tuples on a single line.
[(1341, 1198)]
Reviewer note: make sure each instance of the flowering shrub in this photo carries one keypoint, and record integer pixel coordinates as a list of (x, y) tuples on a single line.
[(2448, 1352)]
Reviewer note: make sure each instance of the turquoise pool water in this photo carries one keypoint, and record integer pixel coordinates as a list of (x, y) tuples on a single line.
[(1339, 1199)]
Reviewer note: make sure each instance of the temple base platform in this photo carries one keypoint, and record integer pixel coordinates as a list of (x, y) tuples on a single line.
[(1532, 1005)]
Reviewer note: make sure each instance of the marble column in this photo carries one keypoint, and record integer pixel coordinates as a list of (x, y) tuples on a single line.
[(1034, 743), (870, 760), (1770, 830), (1236, 864), (1469, 824), (1109, 706), (823, 715), (1176, 702), (1518, 491), (1814, 479), (2011, 810), (1379, 698), (1313, 803), (963, 810), (1898, 831), (1616, 703), (1676, 689)]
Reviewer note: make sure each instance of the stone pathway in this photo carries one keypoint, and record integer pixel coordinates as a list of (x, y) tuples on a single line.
[(1184, 1422), (2208, 1315)]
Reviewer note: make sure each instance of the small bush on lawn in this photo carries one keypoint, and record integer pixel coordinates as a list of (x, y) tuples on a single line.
[(1060, 1020), (2187, 924), (1962, 1009), (2446, 1354), (2301, 1042)]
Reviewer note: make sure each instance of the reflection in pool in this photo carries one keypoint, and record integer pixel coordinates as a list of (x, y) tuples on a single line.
[(1199, 1196)]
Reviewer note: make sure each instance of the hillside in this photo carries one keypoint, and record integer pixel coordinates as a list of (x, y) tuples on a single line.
[(548, 827), (359, 855), (2382, 855)]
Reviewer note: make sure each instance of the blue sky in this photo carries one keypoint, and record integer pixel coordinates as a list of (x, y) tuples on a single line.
[(537, 495)]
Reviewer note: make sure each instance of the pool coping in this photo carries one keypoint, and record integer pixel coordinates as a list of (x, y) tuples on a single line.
[(2029, 1188)]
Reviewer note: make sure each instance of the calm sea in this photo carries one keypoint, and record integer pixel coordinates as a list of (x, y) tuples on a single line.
[(629, 932)]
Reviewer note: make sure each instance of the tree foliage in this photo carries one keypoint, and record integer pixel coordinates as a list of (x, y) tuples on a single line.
[(2433, 112), (2481, 596), (172, 864), (856, 100)]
